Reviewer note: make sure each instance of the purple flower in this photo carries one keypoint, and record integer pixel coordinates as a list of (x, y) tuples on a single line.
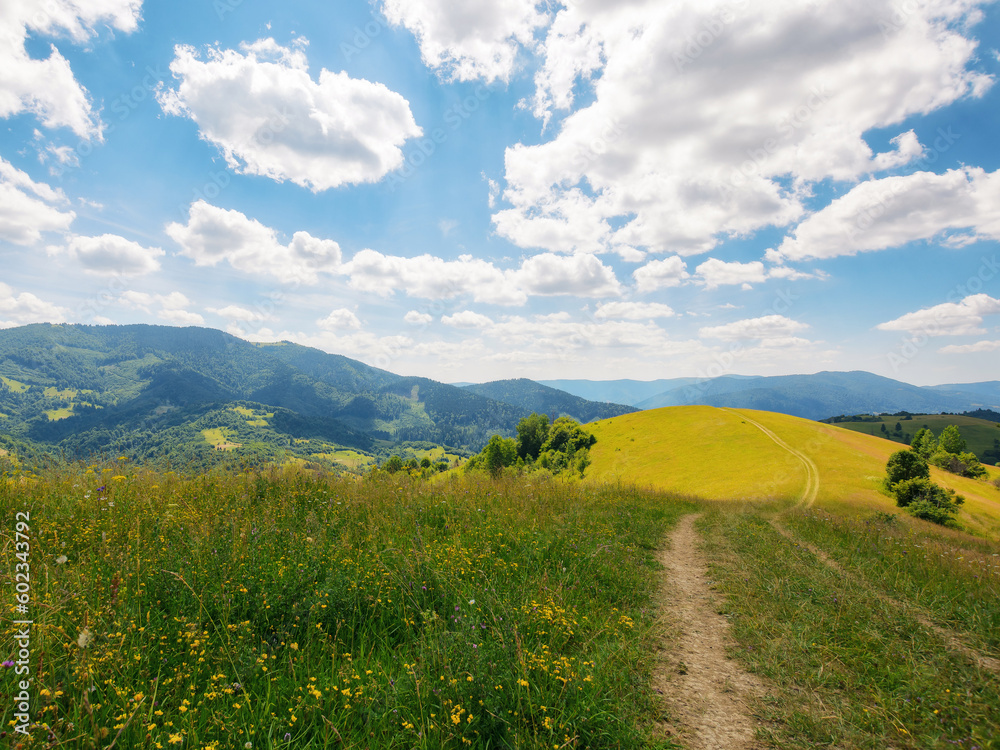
[(288, 736), (7, 663)]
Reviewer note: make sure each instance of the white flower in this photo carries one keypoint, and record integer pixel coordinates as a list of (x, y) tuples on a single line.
[(84, 638), (61, 560)]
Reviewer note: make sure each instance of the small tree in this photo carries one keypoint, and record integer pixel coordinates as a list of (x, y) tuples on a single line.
[(924, 444), (951, 440), (393, 464), (532, 432), (904, 465), (498, 453)]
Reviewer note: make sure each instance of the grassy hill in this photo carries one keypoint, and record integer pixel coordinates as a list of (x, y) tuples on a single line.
[(721, 454)]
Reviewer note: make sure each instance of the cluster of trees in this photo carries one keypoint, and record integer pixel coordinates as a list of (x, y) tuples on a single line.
[(557, 446), (947, 452), (423, 468), (908, 480)]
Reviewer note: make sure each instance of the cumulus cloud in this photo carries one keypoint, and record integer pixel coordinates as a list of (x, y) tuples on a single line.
[(46, 87), (947, 319), (215, 234), (417, 318), (110, 254), (172, 307), (659, 274), (714, 273), (237, 314), (633, 311), (768, 327), (892, 211), (468, 39), (579, 275), (29, 208), (689, 136), (21, 309), (340, 320), (467, 319), (978, 347), (260, 106), (430, 277)]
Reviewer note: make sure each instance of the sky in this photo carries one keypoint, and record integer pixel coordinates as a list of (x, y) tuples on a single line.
[(472, 190)]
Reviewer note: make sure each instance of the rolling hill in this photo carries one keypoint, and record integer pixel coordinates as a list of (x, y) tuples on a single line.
[(725, 454)]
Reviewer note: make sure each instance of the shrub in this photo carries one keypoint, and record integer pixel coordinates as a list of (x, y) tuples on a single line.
[(924, 499), (964, 464)]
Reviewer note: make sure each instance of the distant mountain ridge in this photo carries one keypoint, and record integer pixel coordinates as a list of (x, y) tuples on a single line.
[(531, 396), (153, 391), (818, 396)]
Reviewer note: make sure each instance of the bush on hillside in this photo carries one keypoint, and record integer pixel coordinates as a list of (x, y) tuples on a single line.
[(904, 465), (964, 464), (924, 499)]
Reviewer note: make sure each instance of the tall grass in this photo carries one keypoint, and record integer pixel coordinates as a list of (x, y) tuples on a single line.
[(286, 610), (849, 669)]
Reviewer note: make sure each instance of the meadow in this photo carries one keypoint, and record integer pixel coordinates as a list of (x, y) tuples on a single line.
[(284, 609)]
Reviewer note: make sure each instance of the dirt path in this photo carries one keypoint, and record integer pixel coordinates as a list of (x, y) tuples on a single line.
[(706, 692), (812, 471)]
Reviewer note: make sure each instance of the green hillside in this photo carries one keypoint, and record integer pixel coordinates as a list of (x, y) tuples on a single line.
[(725, 454), (981, 435), (150, 391)]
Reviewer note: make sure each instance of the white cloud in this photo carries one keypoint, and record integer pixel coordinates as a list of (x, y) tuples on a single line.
[(947, 319), (468, 39), (340, 320), (658, 274), (46, 87), (430, 277), (633, 311), (21, 309), (110, 254), (269, 118), (28, 208), (886, 213), (240, 314), (715, 273), (690, 137), (171, 307), (467, 319), (767, 328), (979, 346), (216, 234), (579, 275), (417, 318)]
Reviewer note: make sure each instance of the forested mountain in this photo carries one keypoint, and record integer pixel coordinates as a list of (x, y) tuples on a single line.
[(190, 393), (527, 395)]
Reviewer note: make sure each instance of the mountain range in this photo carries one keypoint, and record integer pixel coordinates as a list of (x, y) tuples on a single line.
[(189, 394), (818, 396), (198, 397)]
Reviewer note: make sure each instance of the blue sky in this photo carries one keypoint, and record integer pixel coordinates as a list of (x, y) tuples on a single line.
[(474, 190)]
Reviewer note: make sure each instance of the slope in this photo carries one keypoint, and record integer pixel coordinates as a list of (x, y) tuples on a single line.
[(726, 455)]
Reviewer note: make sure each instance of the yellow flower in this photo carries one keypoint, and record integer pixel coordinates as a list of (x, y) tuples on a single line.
[(176, 739)]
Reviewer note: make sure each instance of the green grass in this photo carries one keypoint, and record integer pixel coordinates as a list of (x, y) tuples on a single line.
[(14, 385), (979, 434), (55, 415), (848, 669), (293, 610)]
